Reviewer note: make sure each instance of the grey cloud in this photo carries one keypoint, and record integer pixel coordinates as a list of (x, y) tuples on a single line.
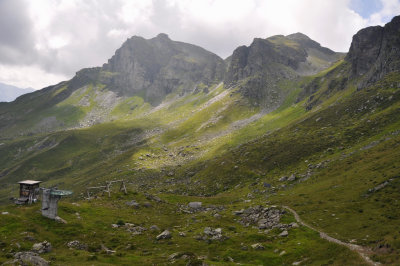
[(16, 36), (88, 24)]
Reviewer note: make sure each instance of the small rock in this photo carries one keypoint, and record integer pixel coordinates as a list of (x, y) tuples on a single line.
[(214, 234), (284, 233), (43, 247), (114, 225), (60, 220), (147, 204), (153, 197), (257, 246), (75, 244), (283, 179), (183, 234), (107, 250), (239, 212), (174, 256), (170, 174), (282, 253), (294, 225), (136, 230), (154, 228), (164, 235), (195, 204), (297, 263), (267, 185), (133, 203), (291, 178), (4, 213)]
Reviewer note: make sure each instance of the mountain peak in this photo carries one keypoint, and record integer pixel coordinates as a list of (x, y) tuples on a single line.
[(298, 36), (162, 36), (158, 66)]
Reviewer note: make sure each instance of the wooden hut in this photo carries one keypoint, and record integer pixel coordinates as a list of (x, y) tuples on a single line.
[(28, 191)]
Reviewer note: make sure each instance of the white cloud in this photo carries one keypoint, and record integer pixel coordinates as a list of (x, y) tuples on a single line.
[(67, 35), (390, 9), (29, 76)]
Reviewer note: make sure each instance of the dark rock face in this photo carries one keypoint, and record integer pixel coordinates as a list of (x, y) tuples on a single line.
[(364, 49), (375, 51), (257, 69), (159, 66)]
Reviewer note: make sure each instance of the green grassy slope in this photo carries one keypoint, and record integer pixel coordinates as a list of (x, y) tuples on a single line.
[(217, 148), (90, 223)]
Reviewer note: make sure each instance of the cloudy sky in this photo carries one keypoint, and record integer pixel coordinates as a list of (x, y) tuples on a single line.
[(43, 42)]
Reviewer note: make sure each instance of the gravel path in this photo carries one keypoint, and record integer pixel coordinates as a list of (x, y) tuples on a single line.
[(362, 251)]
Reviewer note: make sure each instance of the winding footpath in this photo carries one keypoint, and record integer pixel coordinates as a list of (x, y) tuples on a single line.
[(362, 251)]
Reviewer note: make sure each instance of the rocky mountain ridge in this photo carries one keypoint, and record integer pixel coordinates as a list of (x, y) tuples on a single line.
[(258, 68), (155, 68), (374, 52)]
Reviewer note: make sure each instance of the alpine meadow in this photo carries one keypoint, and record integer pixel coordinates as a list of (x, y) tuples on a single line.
[(284, 153)]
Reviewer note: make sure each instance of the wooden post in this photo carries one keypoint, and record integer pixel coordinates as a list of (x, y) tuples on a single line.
[(108, 188), (123, 187)]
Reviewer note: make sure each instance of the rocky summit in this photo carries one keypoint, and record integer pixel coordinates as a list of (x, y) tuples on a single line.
[(284, 153)]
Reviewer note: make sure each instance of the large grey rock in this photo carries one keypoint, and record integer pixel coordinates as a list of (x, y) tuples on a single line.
[(27, 258)]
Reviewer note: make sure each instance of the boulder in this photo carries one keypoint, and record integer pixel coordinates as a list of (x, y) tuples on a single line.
[(213, 234), (164, 235), (28, 258), (136, 230), (284, 233), (43, 247), (75, 244), (294, 225), (195, 204)]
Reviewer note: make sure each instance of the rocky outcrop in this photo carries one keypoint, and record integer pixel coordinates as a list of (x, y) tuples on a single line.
[(27, 258), (375, 51), (159, 66)]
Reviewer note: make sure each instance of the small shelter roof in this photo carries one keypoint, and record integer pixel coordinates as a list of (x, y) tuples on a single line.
[(29, 182)]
